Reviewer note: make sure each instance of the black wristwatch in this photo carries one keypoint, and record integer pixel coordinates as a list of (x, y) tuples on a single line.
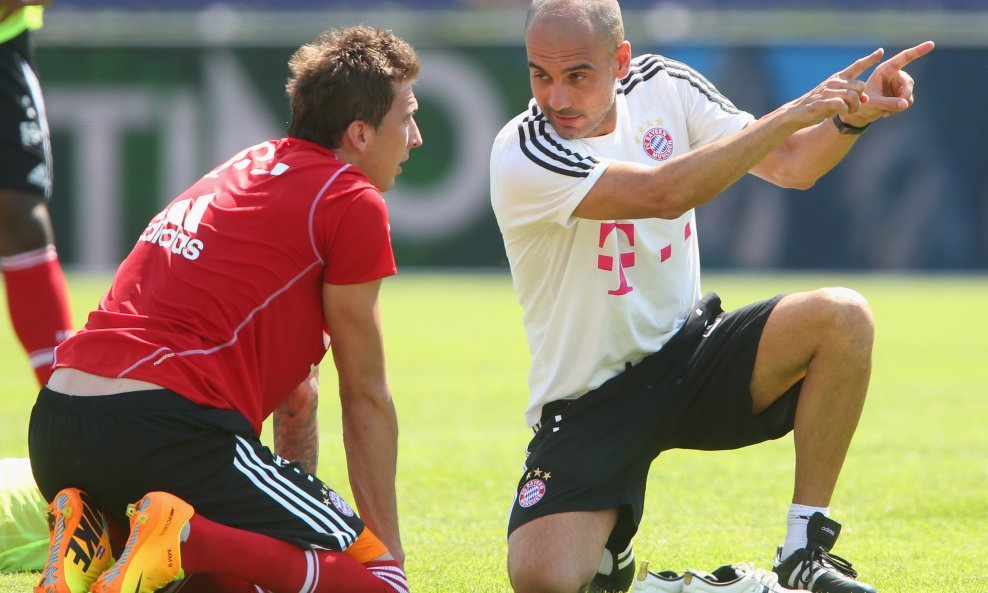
[(844, 128)]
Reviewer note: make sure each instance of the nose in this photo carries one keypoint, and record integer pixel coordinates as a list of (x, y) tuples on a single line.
[(558, 97), (415, 137)]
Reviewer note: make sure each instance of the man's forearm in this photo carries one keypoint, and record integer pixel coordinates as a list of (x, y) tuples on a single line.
[(807, 156), (685, 181), (370, 436), (296, 426), (702, 175)]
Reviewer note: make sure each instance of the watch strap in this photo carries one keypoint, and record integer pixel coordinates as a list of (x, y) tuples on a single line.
[(848, 129)]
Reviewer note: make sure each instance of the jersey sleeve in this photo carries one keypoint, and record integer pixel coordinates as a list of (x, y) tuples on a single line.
[(710, 115), (356, 240), (538, 176)]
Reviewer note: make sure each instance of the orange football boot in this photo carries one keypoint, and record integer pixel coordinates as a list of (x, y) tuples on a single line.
[(78, 544), (152, 558)]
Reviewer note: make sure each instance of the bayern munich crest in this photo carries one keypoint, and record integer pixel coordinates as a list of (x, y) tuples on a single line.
[(531, 493), (657, 143), (340, 504)]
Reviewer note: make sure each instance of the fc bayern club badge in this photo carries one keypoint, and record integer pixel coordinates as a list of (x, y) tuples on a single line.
[(531, 493), (657, 143), (340, 504)]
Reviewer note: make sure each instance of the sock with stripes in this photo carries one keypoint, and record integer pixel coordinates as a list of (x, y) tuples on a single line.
[(797, 518), (38, 303), (616, 571), (273, 564), (389, 572)]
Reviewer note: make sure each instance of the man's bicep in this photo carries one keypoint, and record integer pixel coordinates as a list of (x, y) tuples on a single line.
[(354, 237), (620, 191), (353, 317), (776, 166), (710, 115)]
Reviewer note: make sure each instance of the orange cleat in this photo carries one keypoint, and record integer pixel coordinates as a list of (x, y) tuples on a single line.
[(152, 558), (78, 544)]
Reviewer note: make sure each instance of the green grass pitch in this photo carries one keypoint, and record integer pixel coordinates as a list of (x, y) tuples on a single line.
[(913, 496)]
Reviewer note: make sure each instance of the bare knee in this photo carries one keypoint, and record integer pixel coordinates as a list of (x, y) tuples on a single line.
[(845, 316), (558, 553), (547, 578), (533, 572), (541, 562)]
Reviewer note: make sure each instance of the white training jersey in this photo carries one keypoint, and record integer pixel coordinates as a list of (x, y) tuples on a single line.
[(597, 295)]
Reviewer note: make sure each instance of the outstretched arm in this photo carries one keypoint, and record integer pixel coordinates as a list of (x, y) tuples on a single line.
[(695, 178), (296, 426), (810, 153), (370, 425)]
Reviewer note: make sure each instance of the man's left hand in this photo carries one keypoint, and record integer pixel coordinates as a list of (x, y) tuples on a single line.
[(889, 89)]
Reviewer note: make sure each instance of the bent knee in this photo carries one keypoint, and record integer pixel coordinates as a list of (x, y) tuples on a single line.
[(847, 313), (546, 579), (546, 583)]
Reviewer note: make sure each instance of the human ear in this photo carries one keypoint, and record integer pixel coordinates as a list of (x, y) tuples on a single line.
[(358, 135), (622, 59)]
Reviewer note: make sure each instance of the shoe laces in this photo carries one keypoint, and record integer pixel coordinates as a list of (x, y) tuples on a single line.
[(56, 526), (764, 577), (825, 559)]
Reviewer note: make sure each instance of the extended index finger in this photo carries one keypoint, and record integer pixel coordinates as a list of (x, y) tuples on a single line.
[(899, 60), (862, 64)]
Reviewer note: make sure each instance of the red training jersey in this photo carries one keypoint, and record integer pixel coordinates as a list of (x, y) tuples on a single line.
[(221, 298)]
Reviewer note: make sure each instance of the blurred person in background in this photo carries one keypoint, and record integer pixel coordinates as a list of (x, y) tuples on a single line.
[(36, 293), (594, 188), (227, 302), (23, 532)]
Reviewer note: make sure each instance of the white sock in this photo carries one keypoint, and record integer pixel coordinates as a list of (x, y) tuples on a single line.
[(610, 563), (797, 517)]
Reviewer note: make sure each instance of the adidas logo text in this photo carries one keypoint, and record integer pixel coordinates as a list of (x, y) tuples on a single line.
[(157, 233), (174, 227)]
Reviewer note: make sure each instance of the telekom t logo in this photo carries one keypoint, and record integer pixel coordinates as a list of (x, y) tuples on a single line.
[(625, 260)]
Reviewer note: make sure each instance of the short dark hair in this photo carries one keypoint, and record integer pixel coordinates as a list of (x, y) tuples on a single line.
[(346, 75)]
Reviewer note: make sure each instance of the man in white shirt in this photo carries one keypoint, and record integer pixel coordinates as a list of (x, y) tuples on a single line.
[(594, 188)]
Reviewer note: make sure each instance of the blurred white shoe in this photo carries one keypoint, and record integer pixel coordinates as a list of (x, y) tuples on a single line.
[(740, 578), (657, 582)]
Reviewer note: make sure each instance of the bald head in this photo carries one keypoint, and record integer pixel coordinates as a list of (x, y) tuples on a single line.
[(576, 50), (603, 17)]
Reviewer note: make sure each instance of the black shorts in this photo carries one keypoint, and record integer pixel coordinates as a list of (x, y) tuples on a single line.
[(120, 447), (594, 452), (24, 136)]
